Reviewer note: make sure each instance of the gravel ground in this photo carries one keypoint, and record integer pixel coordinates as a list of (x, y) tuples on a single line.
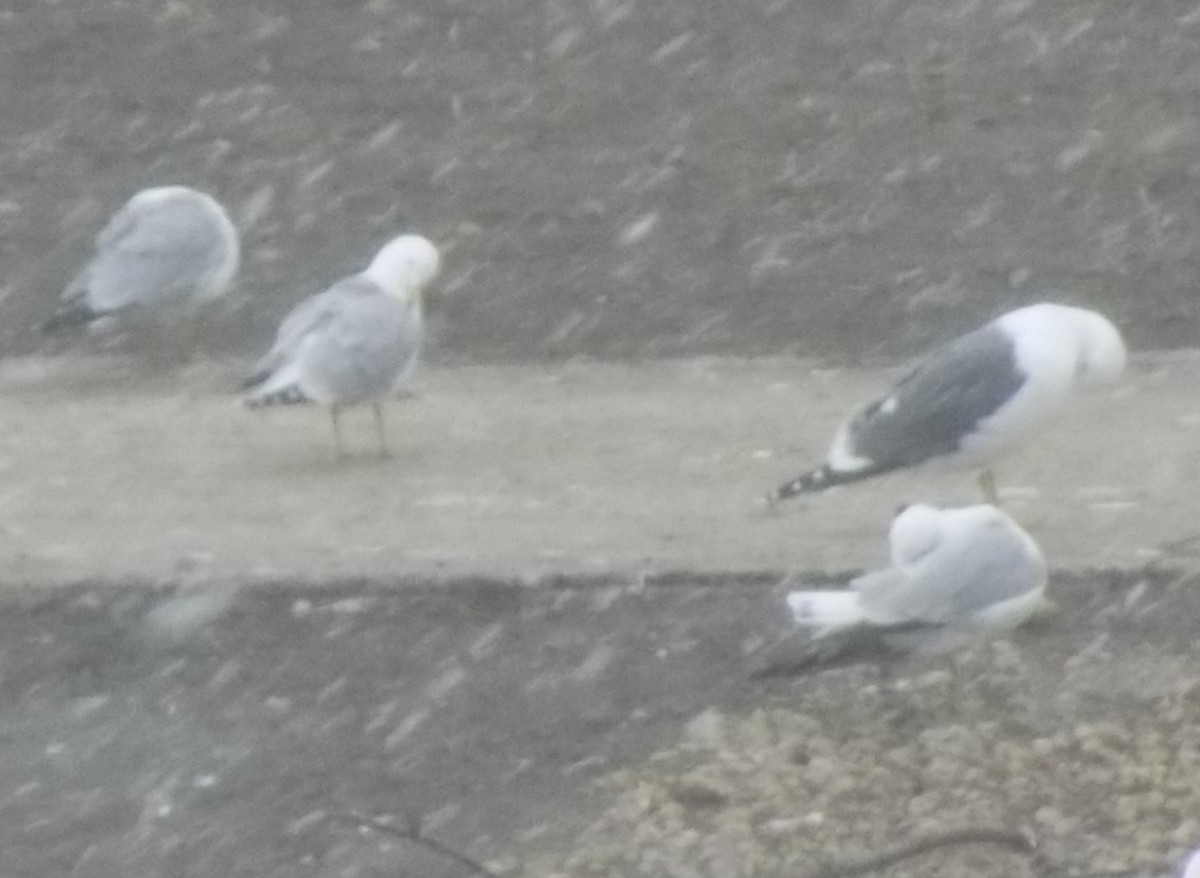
[(1100, 772), (579, 731)]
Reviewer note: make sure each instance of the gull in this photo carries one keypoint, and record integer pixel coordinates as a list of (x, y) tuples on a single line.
[(975, 398), (355, 343), (954, 574), (167, 249)]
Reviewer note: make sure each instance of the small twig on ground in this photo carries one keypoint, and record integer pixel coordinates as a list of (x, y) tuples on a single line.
[(412, 832), (1017, 841)]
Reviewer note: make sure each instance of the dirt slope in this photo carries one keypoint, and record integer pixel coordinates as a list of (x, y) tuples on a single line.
[(625, 178)]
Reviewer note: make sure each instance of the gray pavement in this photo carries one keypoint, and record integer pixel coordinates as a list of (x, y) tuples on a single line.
[(614, 471)]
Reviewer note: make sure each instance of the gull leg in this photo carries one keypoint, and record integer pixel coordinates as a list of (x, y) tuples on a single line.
[(337, 432), (987, 484), (381, 430)]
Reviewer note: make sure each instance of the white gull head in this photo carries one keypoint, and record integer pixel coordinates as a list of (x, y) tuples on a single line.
[(405, 265), (1102, 353), (1047, 331)]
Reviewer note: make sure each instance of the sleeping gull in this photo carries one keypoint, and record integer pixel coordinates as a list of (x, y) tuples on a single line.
[(974, 398), (954, 574), (357, 342), (169, 247)]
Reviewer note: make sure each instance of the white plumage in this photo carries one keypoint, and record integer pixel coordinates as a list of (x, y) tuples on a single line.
[(954, 573), (168, 249), (356, 343), (1192, 870), (975, 398)]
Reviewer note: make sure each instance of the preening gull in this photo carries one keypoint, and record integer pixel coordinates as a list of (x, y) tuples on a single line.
[(975, 398), (355, 343), (169, 247), (954, 574)]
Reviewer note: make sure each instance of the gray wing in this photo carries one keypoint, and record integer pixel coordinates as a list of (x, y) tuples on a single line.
[(962, 577), (368, 343), (311, 313), (150, 256), (939, 402), (351, 342), (309, 316)]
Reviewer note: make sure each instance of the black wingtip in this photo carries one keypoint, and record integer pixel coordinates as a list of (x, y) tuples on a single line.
[(857, 645), (254, 380), (825, 477), (811, 482), (67, 318)]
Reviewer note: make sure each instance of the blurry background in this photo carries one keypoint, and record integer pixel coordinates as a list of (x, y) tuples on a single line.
[(618, 178)]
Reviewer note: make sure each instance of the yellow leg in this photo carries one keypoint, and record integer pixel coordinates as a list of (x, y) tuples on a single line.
[(987, 484), (381, 430)]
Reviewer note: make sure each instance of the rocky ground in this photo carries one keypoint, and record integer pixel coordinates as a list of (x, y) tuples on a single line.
[(579, 731), (532, 631)]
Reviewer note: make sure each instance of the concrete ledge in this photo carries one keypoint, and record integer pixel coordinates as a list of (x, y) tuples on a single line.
[(602, 470)]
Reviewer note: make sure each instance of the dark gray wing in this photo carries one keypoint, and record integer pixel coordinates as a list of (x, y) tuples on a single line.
[(932, 408)]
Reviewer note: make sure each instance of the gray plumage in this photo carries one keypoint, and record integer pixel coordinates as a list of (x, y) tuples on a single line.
[(931, 409), (954, 573), (957, 580), (974, 398), (167, 249), (357, 342), (350, 344)]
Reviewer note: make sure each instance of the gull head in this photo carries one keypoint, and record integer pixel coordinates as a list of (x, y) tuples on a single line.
[(1102, 356), (160, 194), (405, 265)]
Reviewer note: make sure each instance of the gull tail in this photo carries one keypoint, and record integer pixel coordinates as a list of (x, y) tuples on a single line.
[(274, 382), (826, 610), (796, 654), (289, 395), (831, 630), (822, 478)]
